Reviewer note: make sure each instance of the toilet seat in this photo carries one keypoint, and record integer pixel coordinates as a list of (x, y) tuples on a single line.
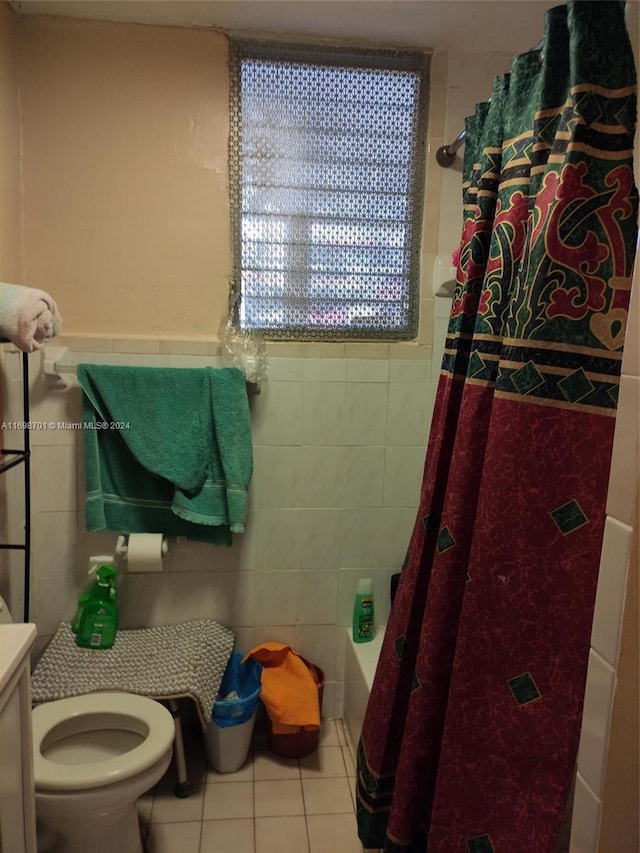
[(99, 711)]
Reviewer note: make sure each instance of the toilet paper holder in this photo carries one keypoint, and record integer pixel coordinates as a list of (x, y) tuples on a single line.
[(122, 546)]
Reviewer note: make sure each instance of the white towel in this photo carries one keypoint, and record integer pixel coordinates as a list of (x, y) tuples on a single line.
[(28, 316)]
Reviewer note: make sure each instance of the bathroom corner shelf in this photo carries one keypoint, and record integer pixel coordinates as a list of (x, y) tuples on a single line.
[(9, 458)]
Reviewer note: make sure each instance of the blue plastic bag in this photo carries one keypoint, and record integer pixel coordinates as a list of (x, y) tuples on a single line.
[(242, 679)]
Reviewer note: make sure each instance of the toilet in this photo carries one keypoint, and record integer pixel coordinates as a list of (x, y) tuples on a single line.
[(93, 756)]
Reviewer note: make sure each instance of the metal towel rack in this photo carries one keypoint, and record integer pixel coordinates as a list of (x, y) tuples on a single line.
[(56, 365)]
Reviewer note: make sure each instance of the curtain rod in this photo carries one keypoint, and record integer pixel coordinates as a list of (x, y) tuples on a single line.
[(446, 154)]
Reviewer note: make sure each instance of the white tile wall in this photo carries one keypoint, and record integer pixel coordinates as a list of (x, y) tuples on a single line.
[(366, 413), (362, 476), (586, 819), (408, 414), (339, 449), (12, 499), (594, 738), (625, 463), (53, 478), (369, 370), (323, 412), (319, 530), (143, 600), (277, 414), (56, 601), (271, 541), (12, 572), (321, 471), (403, 475), (317, 598), (277, 480), (324, 370), (614, 566), (361, 536), (54, 542), (397, 525), (276, 597)]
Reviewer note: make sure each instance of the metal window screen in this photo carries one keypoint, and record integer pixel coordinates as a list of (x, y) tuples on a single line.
[(327, 179)]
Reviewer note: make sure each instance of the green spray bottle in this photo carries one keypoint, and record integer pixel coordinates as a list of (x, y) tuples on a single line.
[(97, 620), (95, 563), (81, 603)]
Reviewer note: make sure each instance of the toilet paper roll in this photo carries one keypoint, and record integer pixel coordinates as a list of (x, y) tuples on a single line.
[(144, 552)]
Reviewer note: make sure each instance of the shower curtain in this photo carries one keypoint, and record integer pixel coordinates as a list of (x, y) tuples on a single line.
[(470, 737)]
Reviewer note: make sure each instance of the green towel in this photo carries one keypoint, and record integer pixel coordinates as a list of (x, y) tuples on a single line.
[(166, 450)]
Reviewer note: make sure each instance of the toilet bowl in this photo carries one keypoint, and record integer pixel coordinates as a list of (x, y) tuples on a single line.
[(94, 755)]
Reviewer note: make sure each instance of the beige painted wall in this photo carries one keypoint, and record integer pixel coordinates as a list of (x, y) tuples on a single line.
[(125, 174), (10, 230), (11, 515), (126, 196)]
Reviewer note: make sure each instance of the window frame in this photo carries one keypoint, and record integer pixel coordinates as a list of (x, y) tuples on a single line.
[(415, 61)]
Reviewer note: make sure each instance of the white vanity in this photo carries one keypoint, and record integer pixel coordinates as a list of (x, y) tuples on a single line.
[(17, 802)]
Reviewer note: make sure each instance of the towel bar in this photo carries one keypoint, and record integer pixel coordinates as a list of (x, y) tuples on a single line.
[(56, 364)]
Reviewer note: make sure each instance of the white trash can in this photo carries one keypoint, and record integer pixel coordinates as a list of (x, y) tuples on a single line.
[(227, 747)]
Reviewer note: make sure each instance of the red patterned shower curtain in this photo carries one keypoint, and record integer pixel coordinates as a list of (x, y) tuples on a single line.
[(470, 737)]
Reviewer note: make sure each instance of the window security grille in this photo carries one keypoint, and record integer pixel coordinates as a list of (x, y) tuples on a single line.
[(327, 179)]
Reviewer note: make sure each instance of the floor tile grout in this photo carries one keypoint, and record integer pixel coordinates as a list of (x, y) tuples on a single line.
[(325, 767)]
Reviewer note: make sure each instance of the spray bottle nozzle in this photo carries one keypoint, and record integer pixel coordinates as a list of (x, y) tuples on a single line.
[(106, 574)]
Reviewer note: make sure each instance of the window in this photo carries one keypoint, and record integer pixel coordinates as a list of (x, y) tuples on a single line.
[(327, 175)]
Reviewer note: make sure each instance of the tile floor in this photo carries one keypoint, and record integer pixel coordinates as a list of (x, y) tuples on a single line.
[(271, 804)]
